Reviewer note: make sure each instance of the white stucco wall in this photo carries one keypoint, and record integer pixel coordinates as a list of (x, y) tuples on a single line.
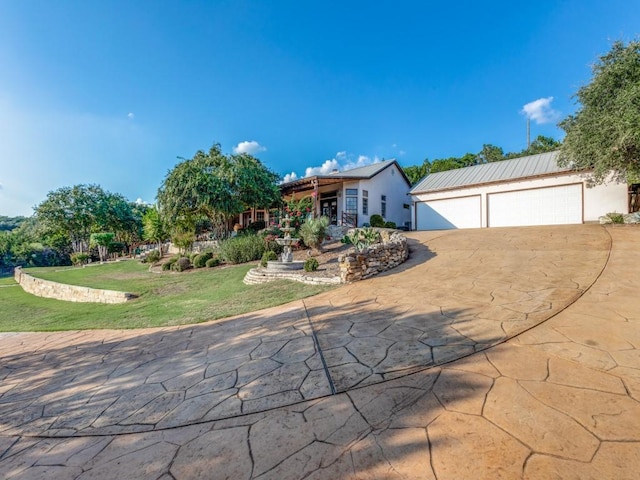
[(389, 182), (597, 201)]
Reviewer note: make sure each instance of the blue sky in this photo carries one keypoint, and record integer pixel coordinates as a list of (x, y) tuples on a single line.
[(112, 92)]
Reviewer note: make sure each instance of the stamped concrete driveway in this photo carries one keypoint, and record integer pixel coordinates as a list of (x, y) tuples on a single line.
[(353, 383)]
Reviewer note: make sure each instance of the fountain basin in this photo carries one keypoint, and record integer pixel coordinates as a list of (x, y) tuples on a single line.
[(284, 266)]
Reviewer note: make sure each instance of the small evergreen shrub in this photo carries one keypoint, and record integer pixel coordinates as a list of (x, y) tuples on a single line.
[(192, 256), (242, 249), (268, 256), (152, 257), (182, 264), (213, 262), (376, 220), (168, 265), (390, 225), (311, 265), (616, 217), (200, 261), (346, 240), (79, 258)]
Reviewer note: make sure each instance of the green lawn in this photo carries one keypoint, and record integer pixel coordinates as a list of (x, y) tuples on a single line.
[(164, 298)]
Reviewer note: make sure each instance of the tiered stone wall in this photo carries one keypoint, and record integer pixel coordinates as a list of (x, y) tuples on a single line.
[(376, 259), (69, 293)]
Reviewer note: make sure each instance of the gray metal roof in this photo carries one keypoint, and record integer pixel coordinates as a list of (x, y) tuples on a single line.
[(516, 168), (367, 171)]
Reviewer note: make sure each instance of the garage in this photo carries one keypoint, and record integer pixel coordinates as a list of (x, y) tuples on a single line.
[(462, 212), (532, 190), (560, 205)]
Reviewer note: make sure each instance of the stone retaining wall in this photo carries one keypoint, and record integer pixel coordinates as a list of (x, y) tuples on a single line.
[(376, 259), (69, 293)]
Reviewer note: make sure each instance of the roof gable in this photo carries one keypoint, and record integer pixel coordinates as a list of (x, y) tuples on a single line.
[(504, 170)]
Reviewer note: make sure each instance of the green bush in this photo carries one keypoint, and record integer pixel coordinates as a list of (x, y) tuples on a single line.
[(376, 220), (311, 265), (313, 232), (200, 261), (152, 257), (256, 226), (363, 238), (242, 249), (168, 265), (616, 217), (182, 264), (79, 258), (268, 256), (213, 262), (192, 256), (390, 225), (346, 240)]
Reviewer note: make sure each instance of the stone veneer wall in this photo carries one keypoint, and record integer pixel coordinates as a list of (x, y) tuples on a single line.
[(376, 259), (69, 293)]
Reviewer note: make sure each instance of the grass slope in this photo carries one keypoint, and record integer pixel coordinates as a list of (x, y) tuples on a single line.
[(164, 299)]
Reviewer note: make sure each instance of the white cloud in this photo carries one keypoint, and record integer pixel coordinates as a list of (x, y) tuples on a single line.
[(251, 147), (290, 177), (401, 152), (540, 111), (342, 161), (140, 201), (130, 115)]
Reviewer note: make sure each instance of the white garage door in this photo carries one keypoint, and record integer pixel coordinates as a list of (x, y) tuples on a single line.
[(449, 213), (540, 206)]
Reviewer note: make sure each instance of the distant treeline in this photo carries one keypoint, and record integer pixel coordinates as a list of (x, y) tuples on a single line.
[(10, 223), (489, 153)]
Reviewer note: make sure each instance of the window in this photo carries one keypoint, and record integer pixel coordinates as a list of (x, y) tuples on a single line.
[(365, 202), (351, 200), (383, 206), (260, 216)]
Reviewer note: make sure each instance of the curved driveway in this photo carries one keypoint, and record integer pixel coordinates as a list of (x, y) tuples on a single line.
[(252, 396)]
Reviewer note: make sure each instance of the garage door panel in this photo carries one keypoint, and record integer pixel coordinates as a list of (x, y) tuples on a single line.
[(541, 206), (462, 212)]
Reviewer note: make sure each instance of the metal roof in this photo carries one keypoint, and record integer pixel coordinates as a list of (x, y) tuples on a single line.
[(358, 173), (516, 168)]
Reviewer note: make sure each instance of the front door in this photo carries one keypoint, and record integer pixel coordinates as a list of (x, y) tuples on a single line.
[(329, 208)]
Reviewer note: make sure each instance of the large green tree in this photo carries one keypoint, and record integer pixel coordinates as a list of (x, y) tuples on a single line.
[(216, 186), (76, 212), (604, 134)]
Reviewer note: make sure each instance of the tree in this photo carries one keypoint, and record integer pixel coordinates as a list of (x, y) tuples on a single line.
[(216, 186), (490, 153), (102, 241), (604, 134), (154, 228), (415, 173)]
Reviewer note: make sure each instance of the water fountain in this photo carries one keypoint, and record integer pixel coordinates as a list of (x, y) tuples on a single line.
[(287, 262)]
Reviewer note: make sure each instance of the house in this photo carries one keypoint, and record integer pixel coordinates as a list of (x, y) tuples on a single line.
[(530, 190), (350, 197)]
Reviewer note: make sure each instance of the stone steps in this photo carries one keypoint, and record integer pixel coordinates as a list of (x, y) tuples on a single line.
[(256, 276)]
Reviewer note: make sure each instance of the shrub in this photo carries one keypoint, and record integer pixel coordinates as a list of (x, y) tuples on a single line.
[(152, 257), (182, 264), (268, 256), (376, 220), (311, 265), (200, 261), (242, 249), (313, 232), (79, 258), (616, 217), (192, 256), (255, 226), (346, 240), (390, 225), (168, 265), (213, 262)]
